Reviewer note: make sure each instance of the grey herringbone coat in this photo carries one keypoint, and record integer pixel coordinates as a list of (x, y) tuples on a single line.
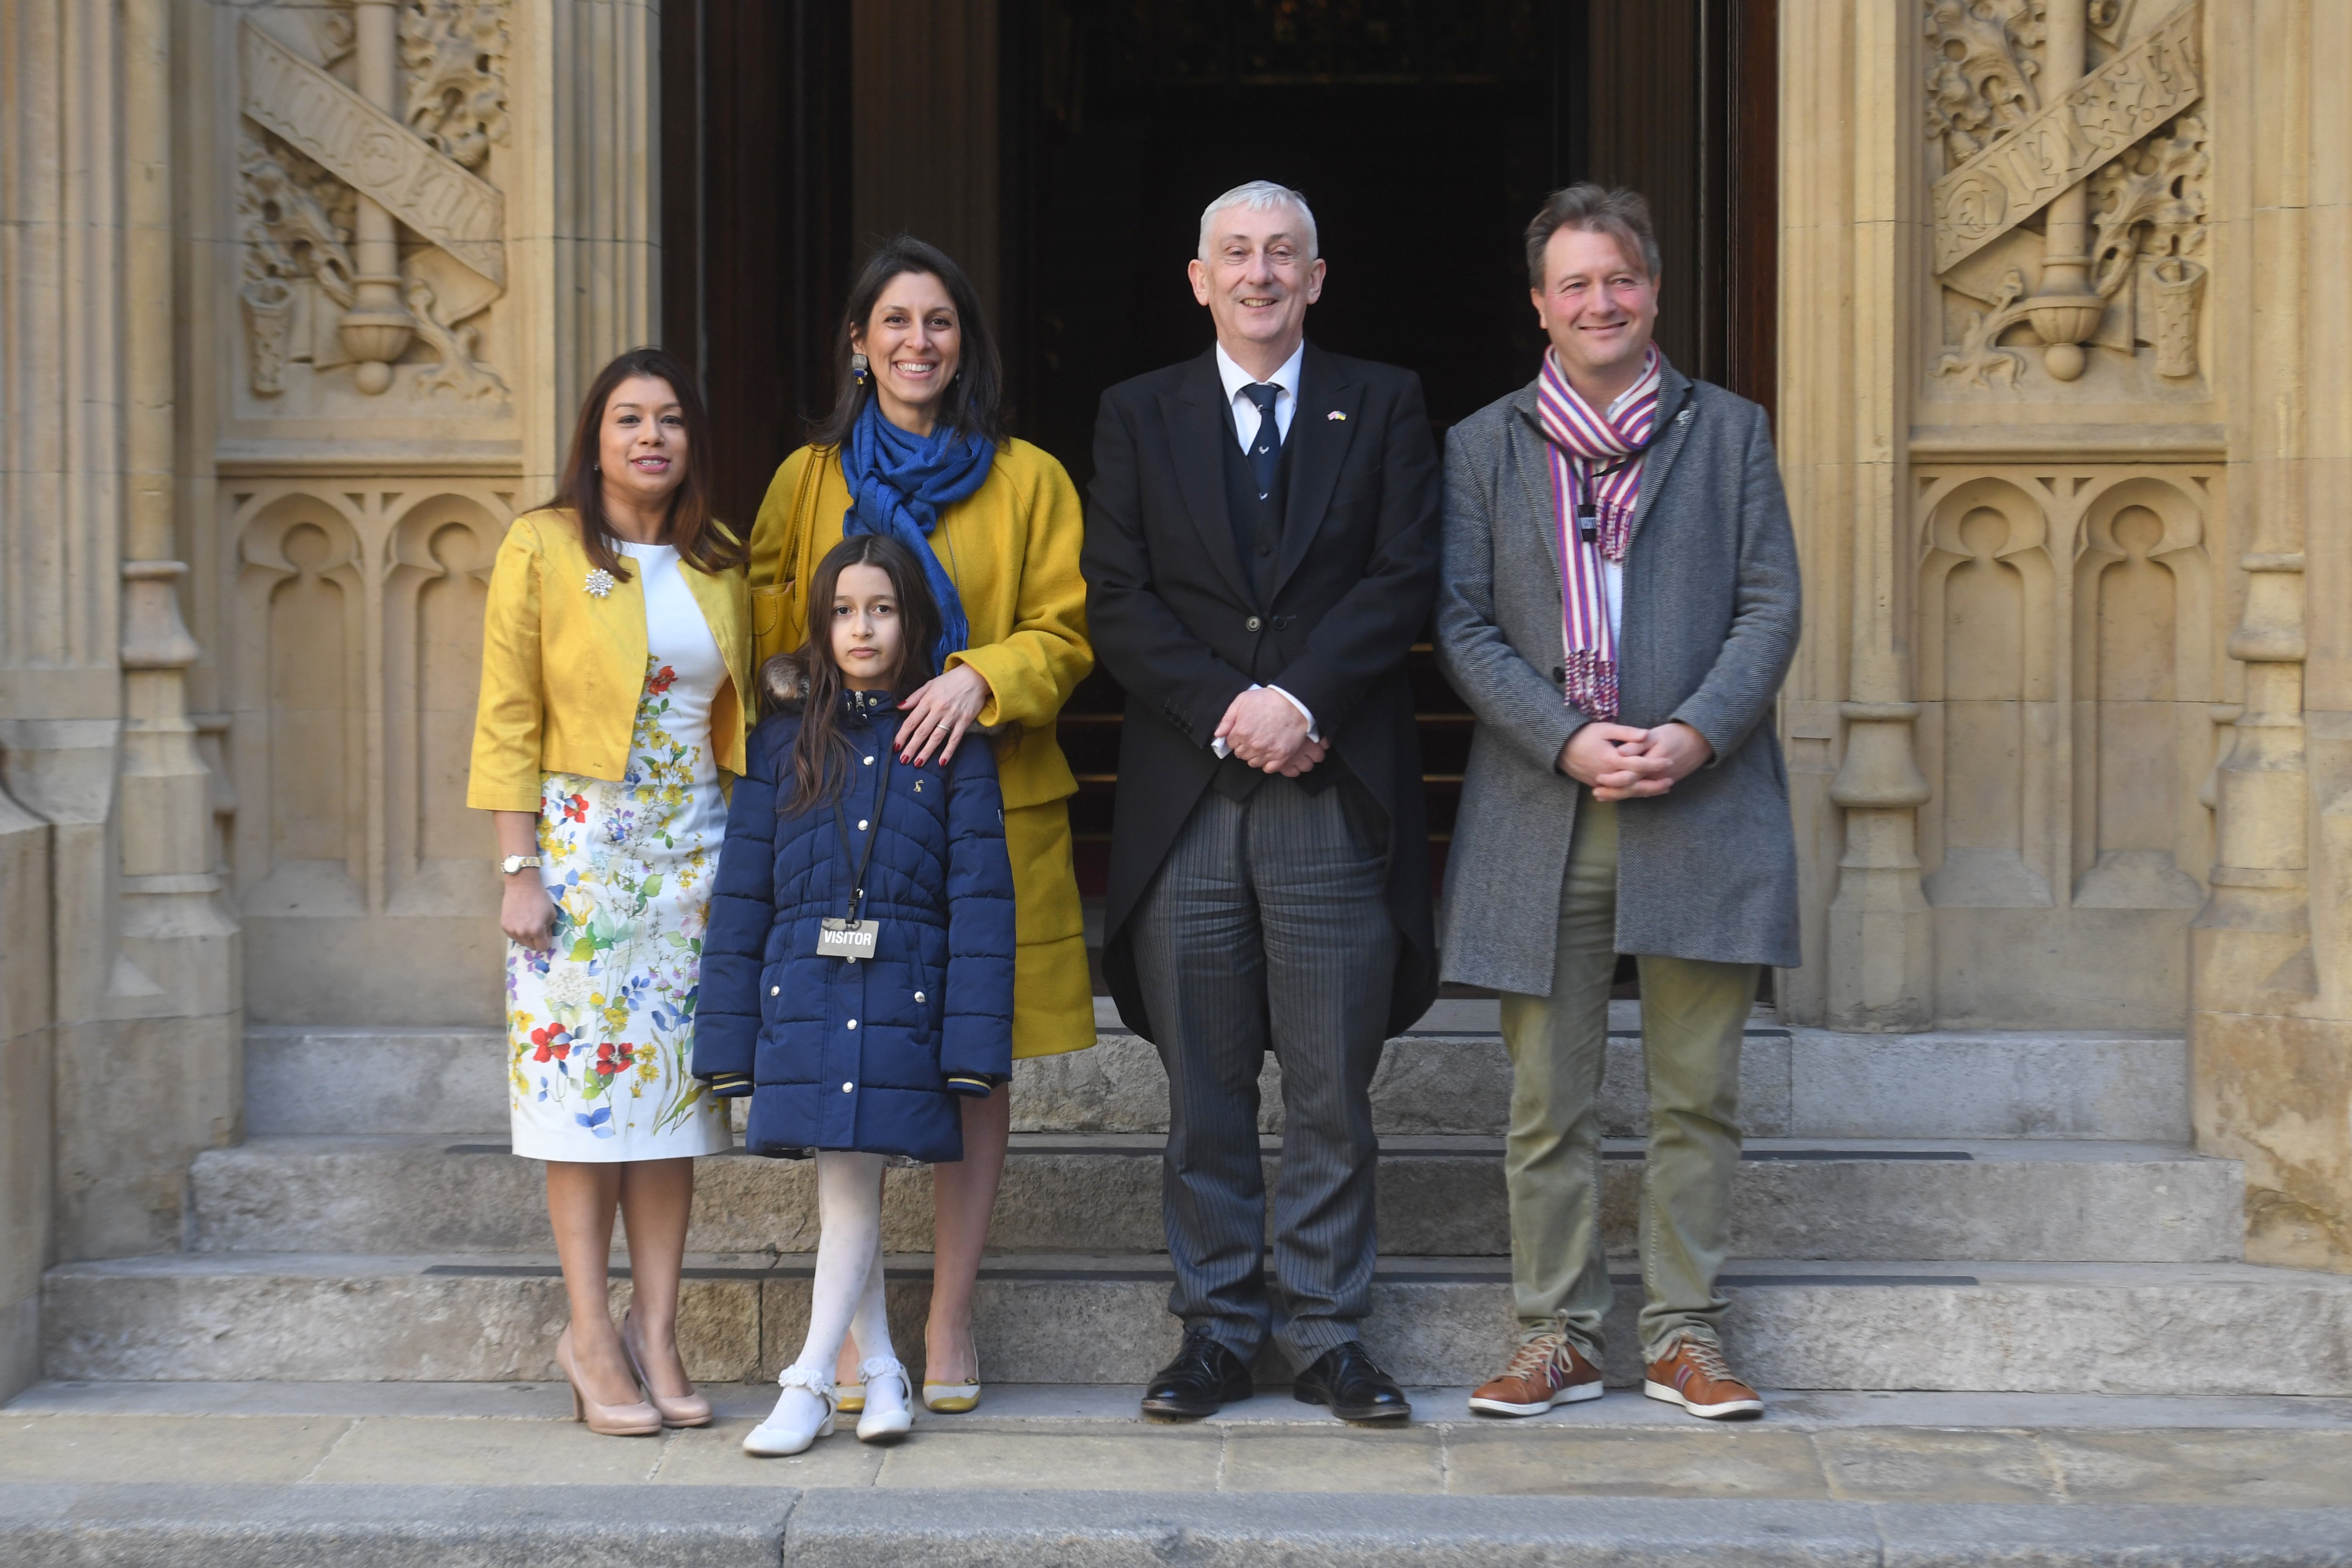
[(1709, 869)]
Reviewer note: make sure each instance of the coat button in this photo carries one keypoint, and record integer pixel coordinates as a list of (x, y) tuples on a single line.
[(853, 1023), (775, 990), (861, 824), (846, 1088), (1250, 625), (869, 761), (918, 996)]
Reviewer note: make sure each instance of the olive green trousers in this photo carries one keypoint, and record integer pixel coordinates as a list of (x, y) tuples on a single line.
[(1692, 1014)]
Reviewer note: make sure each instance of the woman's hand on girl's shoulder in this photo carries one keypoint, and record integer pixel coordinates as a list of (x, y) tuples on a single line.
[(939, 713)]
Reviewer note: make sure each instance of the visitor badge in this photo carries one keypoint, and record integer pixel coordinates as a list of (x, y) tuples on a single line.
[(847, 939)]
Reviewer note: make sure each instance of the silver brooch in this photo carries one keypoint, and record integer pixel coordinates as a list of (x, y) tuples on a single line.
[(600, 581)]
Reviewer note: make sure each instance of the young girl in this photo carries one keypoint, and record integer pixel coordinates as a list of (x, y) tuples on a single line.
[(858, 975)]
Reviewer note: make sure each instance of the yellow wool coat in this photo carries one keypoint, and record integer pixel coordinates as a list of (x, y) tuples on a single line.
[(1012, 547), (562, 669)]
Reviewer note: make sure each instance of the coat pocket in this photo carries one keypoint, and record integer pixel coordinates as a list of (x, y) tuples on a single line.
[(774, 626)]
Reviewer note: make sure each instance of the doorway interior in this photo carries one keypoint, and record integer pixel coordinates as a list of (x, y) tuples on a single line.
[(1063, 152)]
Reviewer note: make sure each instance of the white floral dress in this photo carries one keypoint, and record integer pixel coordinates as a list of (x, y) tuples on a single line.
[(600, 1031)]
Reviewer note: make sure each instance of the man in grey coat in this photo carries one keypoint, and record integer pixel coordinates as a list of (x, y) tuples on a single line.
[(1619, 605)]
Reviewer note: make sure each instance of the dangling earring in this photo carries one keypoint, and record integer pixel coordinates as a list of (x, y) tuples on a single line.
[(858, 365)]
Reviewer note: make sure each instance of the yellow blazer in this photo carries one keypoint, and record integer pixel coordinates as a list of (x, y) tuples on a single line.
[(1011, 547), (562, 669)]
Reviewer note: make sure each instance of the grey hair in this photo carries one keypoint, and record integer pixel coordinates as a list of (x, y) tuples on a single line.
[(1260, 196), (1619, 214)]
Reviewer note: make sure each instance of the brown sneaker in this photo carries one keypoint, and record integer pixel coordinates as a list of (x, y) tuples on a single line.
[(1695, 1376), (1544, 1371)]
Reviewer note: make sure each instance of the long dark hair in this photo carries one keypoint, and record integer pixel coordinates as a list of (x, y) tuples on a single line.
[(580, 490), (821, 751), (973, 403)]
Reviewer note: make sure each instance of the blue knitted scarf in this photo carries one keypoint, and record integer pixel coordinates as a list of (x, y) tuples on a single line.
[(898, 484)]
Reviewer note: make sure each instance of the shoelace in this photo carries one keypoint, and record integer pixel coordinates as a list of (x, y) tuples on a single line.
[(1536, 1358), (1708, 1360)]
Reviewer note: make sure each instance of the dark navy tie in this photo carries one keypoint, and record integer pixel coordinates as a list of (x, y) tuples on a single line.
[(1265, 446)]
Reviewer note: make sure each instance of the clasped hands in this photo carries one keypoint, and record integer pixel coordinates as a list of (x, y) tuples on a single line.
[(1622, 763), (1265, 730)]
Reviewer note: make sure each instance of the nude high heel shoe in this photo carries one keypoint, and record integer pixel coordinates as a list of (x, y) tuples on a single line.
[(637, 1420), (689, 1410)]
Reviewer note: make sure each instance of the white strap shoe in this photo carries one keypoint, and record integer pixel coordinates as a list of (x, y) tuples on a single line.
[(803, 1413), (889, 1400)]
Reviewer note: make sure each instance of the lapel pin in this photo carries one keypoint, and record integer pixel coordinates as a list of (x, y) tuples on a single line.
[(1684, 417), (1335, 414), (600, 583)]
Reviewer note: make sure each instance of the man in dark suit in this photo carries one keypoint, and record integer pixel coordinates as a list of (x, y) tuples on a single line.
[(1261, 552)]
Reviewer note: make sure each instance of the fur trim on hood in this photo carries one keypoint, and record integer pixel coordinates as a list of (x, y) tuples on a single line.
[(782, 684)]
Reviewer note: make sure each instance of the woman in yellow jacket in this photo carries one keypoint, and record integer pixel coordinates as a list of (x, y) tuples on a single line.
[(615, 653), (915, 448)]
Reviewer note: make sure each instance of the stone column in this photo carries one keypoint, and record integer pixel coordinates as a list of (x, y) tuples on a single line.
[(2271, 952), (586, 245), (94, 738), (377, 328), (2065, 310), (1850, 182)]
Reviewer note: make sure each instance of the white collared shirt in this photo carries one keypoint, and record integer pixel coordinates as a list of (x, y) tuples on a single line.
[(1286, 400), (1248, 422)]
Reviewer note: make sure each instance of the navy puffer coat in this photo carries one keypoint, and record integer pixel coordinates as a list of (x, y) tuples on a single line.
[(860, 1055)]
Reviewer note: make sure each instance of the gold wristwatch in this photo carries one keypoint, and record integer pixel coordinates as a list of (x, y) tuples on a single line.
[(514, 863)]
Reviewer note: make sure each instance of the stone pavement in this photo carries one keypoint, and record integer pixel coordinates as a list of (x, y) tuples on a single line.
[(229, 1473)]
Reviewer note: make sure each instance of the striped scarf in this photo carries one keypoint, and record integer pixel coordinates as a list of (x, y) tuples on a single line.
[(1596, 460)]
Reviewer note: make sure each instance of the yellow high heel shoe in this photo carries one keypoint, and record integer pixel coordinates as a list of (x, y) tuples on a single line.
[(954, 1398)]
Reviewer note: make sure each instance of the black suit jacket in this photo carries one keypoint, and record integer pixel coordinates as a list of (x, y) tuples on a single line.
[(1173, 615)]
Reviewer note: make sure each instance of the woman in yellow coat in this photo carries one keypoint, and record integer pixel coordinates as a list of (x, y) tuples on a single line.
[(616, 651), (915, 448)]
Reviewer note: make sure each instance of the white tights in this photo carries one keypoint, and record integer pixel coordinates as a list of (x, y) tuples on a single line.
[(847, 1293)]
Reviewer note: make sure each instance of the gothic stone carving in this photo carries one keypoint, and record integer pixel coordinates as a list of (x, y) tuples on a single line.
[(1981, 83), (454, 52), (326, 156), (2119, 133)]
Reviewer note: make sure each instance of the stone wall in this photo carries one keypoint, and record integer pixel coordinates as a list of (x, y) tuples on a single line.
[(2065, 435), (421, 228)]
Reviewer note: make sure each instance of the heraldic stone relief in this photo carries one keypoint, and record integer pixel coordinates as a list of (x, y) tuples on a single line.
[(373, 238), (2070, 168)]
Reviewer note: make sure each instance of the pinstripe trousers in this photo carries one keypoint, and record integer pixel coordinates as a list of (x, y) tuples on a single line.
[(1267, 927)]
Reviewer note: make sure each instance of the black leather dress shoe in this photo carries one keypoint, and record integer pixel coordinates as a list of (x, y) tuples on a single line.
[(1347, 1379), (1202, 1378)]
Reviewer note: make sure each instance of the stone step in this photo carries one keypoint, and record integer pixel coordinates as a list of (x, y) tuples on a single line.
[(231, 1475), (2027, 1200), (656, 1525), (2090, 1328), (1795, 1083)]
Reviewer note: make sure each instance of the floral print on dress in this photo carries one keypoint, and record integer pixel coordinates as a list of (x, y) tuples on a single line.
[(600, 1027)]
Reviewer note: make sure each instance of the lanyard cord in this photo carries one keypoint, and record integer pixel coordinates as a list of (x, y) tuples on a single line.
[(859, 859), (1588, 514)]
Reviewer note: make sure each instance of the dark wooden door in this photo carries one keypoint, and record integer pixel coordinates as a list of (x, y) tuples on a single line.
[(1425, 133)]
